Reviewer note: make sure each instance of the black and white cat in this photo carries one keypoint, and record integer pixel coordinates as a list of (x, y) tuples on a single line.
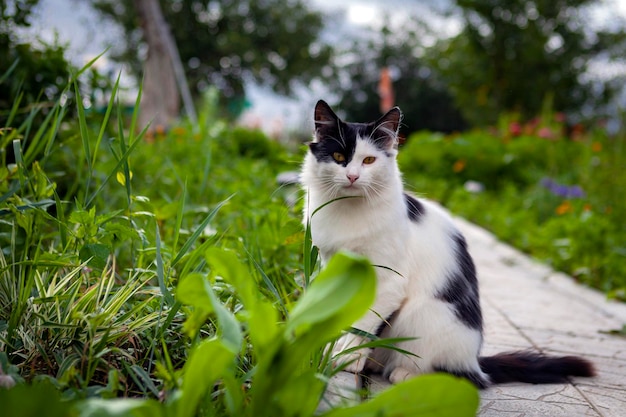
[(427, 287)]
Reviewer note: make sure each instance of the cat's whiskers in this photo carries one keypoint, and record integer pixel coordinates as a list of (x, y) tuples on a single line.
[(384, 131), (343, 140)]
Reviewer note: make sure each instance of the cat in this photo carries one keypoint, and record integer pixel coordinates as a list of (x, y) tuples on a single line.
[(427, 288)]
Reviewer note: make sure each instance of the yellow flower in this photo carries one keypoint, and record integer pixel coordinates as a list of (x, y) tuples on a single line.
[(121, 177)]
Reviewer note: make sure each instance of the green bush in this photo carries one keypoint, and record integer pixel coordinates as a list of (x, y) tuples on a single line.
[(553, 196)]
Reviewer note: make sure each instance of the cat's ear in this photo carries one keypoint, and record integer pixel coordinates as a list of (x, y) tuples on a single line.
[(385, 131), (325, 117)]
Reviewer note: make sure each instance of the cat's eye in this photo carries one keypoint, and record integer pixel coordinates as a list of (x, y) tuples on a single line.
[(369, 160), (338, 156)]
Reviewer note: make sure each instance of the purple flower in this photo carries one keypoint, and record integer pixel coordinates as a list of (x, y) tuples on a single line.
[(547, 182), (576, 191), (561, 190)]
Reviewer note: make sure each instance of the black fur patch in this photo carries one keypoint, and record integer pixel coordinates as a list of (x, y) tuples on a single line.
[(534, 368), (334, 135), (414, 208), (339, 137), (461, 289), (474, 377)]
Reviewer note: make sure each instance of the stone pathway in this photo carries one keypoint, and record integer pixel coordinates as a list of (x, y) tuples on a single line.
[(527, 305)]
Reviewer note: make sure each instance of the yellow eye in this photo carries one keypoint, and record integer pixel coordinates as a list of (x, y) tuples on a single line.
[(369, 160), (337, 156)]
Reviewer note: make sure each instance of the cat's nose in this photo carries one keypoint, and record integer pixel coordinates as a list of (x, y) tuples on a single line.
[(352, 178)]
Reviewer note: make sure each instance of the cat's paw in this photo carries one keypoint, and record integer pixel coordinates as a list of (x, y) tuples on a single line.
[(355, 361), (400, 374)]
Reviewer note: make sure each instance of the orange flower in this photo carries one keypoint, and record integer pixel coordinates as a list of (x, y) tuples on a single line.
[(459, 166), (179, 131), (564, 208), (596, 146)]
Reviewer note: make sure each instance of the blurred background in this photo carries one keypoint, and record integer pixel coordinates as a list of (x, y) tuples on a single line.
[(451, 64)]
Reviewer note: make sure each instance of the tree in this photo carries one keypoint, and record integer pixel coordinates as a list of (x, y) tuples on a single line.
[(160, 101), (419, 91), (512, 54), (225, 43)]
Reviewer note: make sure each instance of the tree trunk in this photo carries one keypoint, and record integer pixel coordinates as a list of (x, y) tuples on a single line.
[(160, 102)]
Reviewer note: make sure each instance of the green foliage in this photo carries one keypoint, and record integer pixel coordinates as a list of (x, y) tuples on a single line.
[(547, 194), (512, 53), (222, 43)]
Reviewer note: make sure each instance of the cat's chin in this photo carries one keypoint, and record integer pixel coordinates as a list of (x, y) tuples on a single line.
[(351, 191)]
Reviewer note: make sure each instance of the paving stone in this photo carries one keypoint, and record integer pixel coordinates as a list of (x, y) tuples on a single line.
[(535, 400), (609, 402)]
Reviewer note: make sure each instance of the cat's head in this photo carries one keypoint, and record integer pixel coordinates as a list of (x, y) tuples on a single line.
[(353, 159)]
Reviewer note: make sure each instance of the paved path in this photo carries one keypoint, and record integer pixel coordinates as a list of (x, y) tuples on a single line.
[(527, 305)]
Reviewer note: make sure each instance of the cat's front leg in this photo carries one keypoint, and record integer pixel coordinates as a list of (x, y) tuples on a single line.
[(356, 357), (389, 299)]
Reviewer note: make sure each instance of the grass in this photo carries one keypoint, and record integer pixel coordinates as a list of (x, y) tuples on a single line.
[(166, 277)]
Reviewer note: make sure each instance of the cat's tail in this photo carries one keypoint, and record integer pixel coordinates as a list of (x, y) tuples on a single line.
[(534, 368)]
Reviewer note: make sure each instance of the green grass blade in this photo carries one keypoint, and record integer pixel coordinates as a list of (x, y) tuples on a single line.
[(60, 115), (21, 170), (199, 230), (107, 115), (133, 121), (8, 72), (14, 109), (160, 271), (116, 168), (125, 165), (87, 66), (179, 216), (82, 124), (37, 143)]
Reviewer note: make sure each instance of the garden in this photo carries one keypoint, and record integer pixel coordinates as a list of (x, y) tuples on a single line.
[(168, 276), (550, 191)]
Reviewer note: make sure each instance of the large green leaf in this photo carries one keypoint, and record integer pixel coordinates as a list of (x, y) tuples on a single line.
[(436, 395), (261, 315), (208, 362), (339, 296), (195, 289)]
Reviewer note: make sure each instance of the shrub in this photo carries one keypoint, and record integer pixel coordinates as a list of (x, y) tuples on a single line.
[(552, 196)]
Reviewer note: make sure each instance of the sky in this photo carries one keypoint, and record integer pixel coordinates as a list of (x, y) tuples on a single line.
[(75, 23)]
